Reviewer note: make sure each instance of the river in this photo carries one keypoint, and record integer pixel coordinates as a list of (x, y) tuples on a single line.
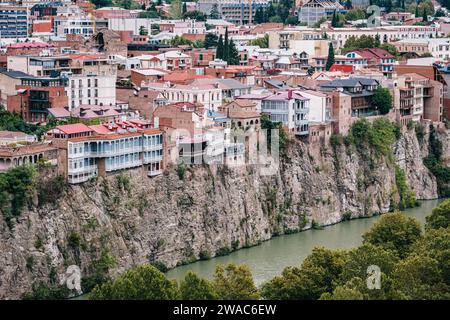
[(271, 257)]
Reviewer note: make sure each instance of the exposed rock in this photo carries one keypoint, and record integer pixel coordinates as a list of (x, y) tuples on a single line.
[(172, 221)]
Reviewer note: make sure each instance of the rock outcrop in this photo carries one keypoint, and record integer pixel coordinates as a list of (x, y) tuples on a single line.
[(212, 209)]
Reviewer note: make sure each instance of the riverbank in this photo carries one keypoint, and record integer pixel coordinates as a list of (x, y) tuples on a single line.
[(271, 257)]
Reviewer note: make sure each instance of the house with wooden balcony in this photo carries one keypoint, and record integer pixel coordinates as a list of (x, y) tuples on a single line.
[(86, 152)]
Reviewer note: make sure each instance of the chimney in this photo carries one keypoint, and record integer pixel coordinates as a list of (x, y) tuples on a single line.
[(290, 94)]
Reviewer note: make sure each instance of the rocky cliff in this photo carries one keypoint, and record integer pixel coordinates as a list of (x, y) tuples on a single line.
[(211, 210)]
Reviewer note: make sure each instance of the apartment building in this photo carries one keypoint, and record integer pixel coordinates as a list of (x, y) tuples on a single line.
[(239, 12), (290, 108), (30, 96), (438, 48), (359, 89), (91, 90), (13, 21), (417, 97), (314, 10), (86, 152)]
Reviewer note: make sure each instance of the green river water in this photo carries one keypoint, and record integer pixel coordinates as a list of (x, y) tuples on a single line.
[(271, 257)]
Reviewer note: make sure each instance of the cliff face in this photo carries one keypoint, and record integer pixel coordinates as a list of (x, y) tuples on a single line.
[(173, 220)]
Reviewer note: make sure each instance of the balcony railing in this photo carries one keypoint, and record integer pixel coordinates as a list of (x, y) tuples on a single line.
[(125, 165)]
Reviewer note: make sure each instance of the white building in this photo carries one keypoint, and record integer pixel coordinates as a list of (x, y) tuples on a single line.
[(210, 96), (91, 90), (319, 106), (290, 108)]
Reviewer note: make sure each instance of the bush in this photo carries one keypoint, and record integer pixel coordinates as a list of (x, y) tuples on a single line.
[(223, 251), (160, 266), (181, 170), (407, 196), (16, 187), (74, 240)]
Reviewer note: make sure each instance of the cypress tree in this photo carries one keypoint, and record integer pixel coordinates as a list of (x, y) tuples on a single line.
[(219, 51), (424, 16), (233, 58), (226, 47), (330, 60)]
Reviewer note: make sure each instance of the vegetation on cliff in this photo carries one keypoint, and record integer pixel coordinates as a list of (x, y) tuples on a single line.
[(412, 265), (435, 163)]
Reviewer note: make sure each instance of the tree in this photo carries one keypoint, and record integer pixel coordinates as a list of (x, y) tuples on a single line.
[(292, 20), (176, 9), (424, 16), (184, 9), (233, 55), (260, 42), (180, 41), (219, 51), (226, 46), (195, 15), (377, 41), (196, 288), (330, 59), (214, 12), (394, 231), (348, 5), (143, 31), (276, 19), (382, 100), (102, 3), (440, 217), (211, 40), (144, 282), (259, 15), (419, 278), (235, 283), (334, 21), (316, 276)]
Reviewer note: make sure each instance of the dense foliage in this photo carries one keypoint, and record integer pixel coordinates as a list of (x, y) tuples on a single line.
[(435, 163), (16, 187), (382, 100)]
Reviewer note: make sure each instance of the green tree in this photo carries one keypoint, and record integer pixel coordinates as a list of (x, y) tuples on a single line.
[(196, 288), (234, 282), (440, 217), (419, 278), (233, 55), (176, 9), (316, 276), (211, 40), (330, 59), (144, 282), (348, 5), (226, 46), (184, 9), (261, 42), (214, 12), (16, 187), (143, 31), (259, 15), (394, 231), (102, 3), (195, 15), (219, 51), (291, 20), (179, 41), (382, 100)]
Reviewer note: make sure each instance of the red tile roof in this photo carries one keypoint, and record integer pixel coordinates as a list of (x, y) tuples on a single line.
[(74, 128), (348, 68)]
